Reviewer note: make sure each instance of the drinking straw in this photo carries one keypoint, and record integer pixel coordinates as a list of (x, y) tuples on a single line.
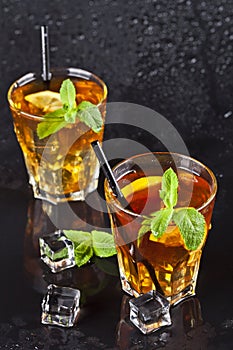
[(46, 74), (116, 190), (109, 174)]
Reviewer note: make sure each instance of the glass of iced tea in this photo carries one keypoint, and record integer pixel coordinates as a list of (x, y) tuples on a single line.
[(145, 262), (63, 165)]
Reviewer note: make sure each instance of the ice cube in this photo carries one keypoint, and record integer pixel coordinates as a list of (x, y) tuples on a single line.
[(57, 251), (60, 306), (150, 312)]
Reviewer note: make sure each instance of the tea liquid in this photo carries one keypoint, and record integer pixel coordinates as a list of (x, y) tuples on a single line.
[(163, 263), (65, 162)]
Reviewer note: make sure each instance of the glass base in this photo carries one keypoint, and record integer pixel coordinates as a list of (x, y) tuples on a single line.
[(173, 300), (61, 198)]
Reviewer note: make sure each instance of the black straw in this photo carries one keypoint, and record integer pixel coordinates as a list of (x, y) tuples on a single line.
[(46, 74), (109, 174), (116, 190)]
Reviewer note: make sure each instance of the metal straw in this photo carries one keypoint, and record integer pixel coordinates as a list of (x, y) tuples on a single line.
[(46, 74), (109, 174)]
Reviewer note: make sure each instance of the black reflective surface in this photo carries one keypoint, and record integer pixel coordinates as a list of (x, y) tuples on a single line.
[(172, 56)]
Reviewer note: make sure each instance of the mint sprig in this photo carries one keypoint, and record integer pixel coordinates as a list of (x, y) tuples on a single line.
[(89, 244), (190, 222), (168, 193), (85, 111)]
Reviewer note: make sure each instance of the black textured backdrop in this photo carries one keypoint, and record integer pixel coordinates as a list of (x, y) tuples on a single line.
[(174, 56)]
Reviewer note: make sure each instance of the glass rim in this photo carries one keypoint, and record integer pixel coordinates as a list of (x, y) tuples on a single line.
[(209, 171), (70, 71)]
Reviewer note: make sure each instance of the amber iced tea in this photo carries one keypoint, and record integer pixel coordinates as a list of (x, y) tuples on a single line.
[(62, 166), (150, 263)]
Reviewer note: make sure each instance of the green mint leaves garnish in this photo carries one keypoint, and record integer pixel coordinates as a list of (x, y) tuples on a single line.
[(85, 111), (89, 244), (168, 193), (68, 94), (90, 115), (190, 222)]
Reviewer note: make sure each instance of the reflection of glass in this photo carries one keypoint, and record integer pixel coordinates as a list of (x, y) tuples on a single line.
[(186, 332), (62, 166), (164, 264), (91, 278)]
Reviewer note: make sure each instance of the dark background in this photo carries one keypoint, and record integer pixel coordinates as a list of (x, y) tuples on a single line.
[(173, 56)]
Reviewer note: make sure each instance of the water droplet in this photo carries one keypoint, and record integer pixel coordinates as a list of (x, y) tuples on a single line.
[(95, 23), (227, 324), (64, 16), (134, 21), (118, 19), (18, 32), (149, 30), (228, 114), (81, 36), (153, 73), (220, 9), (54, 48)]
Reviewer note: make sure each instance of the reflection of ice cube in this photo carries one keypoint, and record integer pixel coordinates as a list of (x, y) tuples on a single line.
[(57, 251), (150, 312), (60, 306)]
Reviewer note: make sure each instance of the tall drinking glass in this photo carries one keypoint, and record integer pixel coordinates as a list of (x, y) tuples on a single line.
[(148, 263), (63, 165)]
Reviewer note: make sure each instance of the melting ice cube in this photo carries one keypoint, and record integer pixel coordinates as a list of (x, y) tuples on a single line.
[(57, 251), (150, 312), (60, 306)]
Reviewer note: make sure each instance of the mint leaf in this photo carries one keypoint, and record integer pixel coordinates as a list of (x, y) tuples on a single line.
[(87, 244), (83, 250), (191, 224), (61, 254), (83, 253), (168, 193), (56, 115), (47, 127), (70, 115), (160, 221), (78, 237), (103, 244), (89, 114), (68, 94)]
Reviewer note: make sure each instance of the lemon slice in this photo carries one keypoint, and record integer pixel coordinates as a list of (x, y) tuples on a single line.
[(47, 101), (141, 184)]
